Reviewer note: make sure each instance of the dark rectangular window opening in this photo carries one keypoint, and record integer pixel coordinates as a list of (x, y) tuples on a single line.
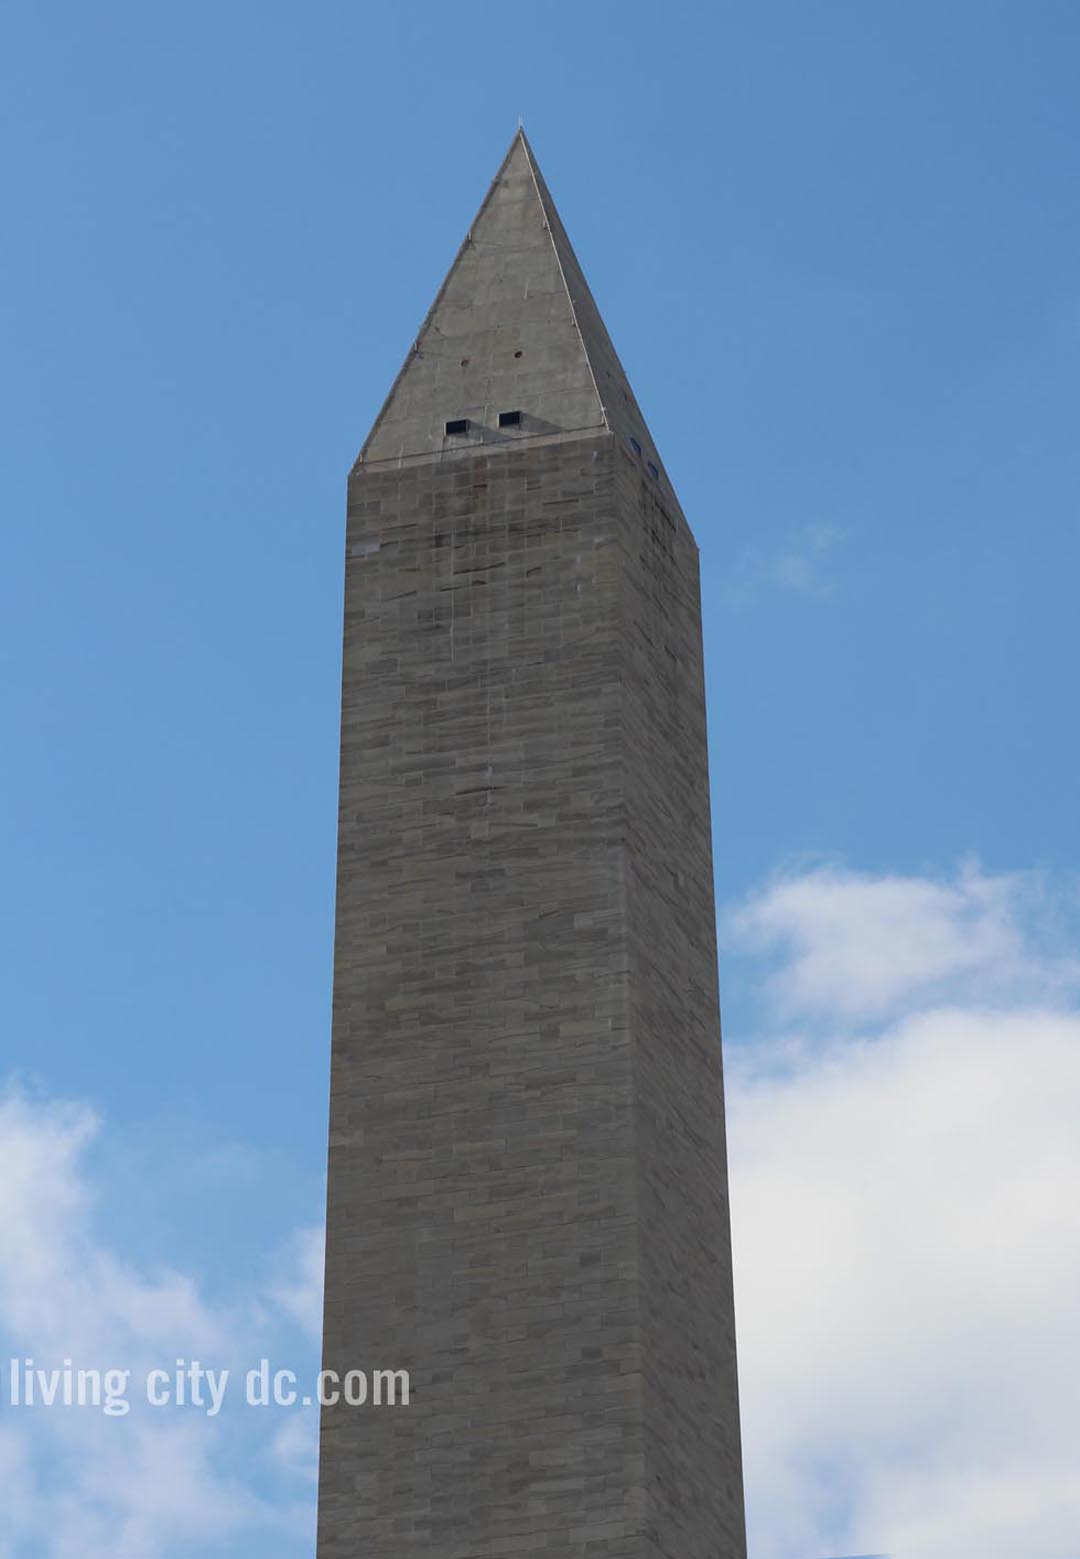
[(509, 419), (457, 425), (654, 471)]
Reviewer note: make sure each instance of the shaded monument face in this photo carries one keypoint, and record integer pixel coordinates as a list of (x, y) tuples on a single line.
[(528, 1186)]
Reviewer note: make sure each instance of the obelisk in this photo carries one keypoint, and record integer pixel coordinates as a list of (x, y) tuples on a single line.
[(527, 1179)]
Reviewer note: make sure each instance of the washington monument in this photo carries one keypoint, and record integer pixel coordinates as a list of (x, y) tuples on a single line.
[(527, 1183)]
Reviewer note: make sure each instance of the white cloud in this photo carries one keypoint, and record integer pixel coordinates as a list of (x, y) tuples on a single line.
[(147, 1489), (907, 1259), (906, 1220), (151, 1483), (60, 1290), (16, 1480), (853, 946)]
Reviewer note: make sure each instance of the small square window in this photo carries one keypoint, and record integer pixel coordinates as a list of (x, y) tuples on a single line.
[(509, 419), (457, 425), (654, 471), (635, 446)]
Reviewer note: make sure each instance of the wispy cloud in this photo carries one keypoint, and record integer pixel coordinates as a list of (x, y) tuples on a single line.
[(802, 565), (300, 1294)]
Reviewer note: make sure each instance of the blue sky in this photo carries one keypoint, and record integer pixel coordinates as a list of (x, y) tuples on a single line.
[(837, 248)]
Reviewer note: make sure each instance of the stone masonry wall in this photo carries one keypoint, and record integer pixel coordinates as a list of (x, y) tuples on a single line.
[(527, 1193)]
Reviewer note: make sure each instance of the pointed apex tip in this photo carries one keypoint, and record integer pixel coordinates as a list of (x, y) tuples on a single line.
[(521, 139), (518, 154), (514, 324)]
